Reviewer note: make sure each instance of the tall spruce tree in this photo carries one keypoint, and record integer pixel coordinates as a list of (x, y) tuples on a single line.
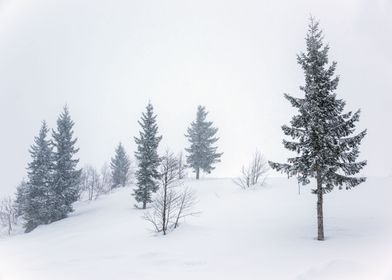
[(66, 176), (326, 148), (147, 156), (202, 154), (34, 197), (120, 166)]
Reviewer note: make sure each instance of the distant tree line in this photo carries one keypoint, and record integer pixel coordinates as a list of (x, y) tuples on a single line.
[(54, 181)]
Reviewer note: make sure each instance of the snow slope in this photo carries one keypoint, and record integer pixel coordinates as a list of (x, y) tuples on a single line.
[(266, 233)]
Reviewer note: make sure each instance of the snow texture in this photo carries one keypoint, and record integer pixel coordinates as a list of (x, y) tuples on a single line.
[(267, 233)]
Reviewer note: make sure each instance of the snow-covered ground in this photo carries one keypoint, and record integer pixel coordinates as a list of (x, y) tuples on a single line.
[(266, 233)]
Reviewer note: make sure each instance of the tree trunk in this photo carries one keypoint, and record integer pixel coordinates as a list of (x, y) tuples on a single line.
[(164, 208), (197, 173), (9, 224), (145, 198), (320, 222)]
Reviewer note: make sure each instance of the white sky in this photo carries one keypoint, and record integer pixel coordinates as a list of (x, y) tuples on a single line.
[(107, 58)]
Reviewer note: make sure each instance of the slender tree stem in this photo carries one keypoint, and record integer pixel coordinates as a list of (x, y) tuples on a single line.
[(320, 220)]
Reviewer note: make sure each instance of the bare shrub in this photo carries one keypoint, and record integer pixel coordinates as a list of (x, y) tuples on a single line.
[(181, 167), (185, 205), (106, 179), (255, 174), (173, 202), (91, 183), (8, 214)]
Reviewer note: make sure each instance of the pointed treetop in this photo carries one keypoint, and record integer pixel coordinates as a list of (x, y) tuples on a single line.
[(202, 154), (322, 130)]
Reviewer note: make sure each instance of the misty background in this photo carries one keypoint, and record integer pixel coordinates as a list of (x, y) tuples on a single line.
[(107, 59)]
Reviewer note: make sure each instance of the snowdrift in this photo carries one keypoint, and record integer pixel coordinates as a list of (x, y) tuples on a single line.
[(266, 233)]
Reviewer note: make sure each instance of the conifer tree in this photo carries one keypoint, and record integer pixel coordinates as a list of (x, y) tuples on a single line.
[(120, 165), (35, 197), (66, 176), (326, 148), (202, 154), (20, 197), (147, 156)]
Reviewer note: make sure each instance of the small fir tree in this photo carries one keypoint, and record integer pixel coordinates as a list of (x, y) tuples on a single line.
[(21, 197), (35, 197), (202, 154), (147, 156), (326, 149), (66, 177), (120, 167)]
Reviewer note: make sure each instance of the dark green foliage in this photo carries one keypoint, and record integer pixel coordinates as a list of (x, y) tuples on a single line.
[(147, 156), (53, 177), (322, 130), (66, 176), (34, 198), (322, 133), (20, 198)]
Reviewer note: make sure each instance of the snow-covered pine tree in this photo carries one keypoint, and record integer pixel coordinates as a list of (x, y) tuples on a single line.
[(147, 156), (120, 166), (20, 197), (35, 196), (66, 175), (202, 155), (326, 149)]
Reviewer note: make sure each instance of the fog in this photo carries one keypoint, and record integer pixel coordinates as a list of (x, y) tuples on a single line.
[(107, 59)]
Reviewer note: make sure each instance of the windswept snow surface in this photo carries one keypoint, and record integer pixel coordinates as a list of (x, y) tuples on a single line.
[(267, 233)]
